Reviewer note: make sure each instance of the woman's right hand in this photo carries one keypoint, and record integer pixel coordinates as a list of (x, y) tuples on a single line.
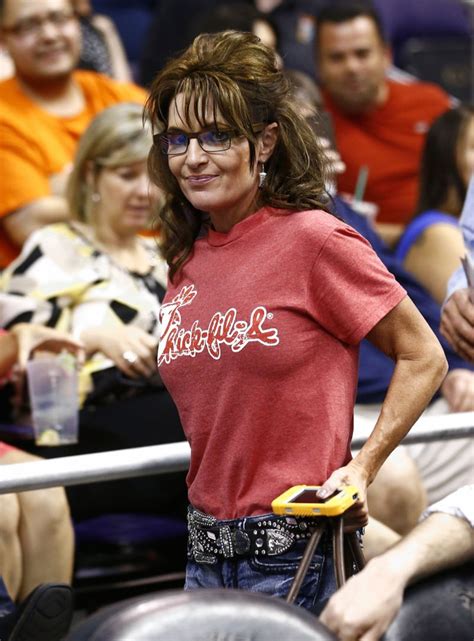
[(132, 350), (31, 337)]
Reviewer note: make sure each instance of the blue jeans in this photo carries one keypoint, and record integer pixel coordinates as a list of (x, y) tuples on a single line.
[(272, 575)]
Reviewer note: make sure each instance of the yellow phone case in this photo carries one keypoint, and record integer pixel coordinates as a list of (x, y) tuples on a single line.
[(336, 505)]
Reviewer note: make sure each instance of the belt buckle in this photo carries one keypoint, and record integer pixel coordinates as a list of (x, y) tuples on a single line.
[(279, 541)]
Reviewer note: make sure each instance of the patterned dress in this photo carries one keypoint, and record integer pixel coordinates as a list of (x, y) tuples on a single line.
[(62, 280)]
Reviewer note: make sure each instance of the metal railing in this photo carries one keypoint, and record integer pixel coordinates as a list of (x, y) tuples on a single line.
[(174, 457)]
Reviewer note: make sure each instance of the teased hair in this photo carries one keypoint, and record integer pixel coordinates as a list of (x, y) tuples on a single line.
[(238, 75), (117, 136), (439, 163)]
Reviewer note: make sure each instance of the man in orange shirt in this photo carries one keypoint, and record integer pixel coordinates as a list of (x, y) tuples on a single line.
[(44, 108), (378, 123)]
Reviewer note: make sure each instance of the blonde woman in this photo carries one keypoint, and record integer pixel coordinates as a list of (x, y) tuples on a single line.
[(99, 279)]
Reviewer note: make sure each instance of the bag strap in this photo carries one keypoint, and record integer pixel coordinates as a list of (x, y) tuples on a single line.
[(348, 555)]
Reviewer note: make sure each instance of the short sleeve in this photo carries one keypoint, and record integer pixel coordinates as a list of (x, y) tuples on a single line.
[(23, 176), (349, 288), (46, 280), (460, 504)]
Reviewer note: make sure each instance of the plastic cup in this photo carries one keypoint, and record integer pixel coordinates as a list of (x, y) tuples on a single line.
[(54, 396)]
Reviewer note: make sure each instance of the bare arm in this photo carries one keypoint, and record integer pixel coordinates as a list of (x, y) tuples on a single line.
[(21, 223), (389, 232), (114, 343), (435, 256), (120, 67), (24, 338), (8, 353), (420, 367), (366, 605)]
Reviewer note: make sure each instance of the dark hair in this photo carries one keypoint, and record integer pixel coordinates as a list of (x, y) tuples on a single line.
[(238, 76), (338, 11), (439, 172)]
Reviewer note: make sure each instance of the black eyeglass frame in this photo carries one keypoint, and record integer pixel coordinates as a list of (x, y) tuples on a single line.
[(161, 140)]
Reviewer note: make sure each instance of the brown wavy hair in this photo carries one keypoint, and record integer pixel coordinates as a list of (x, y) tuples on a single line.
[(238, 76)]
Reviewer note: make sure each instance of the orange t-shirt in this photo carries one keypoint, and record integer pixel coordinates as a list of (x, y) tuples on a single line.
[(388, 140), (35, 145)]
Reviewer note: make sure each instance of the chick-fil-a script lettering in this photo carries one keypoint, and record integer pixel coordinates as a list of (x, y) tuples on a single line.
[(224, 328)]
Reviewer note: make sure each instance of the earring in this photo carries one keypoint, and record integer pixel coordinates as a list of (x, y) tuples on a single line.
[(262, 176), (95, 197)]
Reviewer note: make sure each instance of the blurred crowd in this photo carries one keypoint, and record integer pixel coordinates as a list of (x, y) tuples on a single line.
[(80, 261)]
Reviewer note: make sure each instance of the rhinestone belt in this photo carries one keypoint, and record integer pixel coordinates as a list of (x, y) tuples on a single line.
[(211, 540)]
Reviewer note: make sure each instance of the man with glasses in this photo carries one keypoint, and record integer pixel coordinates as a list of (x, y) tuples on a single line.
[(44, 108)]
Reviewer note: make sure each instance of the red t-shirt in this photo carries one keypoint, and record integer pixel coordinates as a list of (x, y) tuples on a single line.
[(388, 140), (259, 350)]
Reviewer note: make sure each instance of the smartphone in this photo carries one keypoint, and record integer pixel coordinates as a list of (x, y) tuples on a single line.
[(301, 500)]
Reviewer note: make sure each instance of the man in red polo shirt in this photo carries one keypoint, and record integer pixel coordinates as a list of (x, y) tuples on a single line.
[(379, 123)]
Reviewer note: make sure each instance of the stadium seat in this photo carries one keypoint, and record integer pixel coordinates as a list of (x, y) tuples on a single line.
[(444, 60), (202, 615), (432, 40), (437, 609)]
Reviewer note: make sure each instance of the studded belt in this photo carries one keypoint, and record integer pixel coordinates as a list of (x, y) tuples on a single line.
[(270, 535)]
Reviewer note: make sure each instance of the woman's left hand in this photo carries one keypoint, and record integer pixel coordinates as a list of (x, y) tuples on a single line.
[(357, 515)]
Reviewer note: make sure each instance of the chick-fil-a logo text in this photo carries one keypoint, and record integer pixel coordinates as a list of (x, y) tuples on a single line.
[(223, 329)]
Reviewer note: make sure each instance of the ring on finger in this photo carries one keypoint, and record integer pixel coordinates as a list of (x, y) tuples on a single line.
[(130, 356)]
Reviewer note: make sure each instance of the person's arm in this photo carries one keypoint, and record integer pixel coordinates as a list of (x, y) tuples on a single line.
[(8, 352), (434, 257), (389, 232), (420, 366), (457, 323), (120, 66), (45, 211), (117, 342), (366, 605), (17, 345)]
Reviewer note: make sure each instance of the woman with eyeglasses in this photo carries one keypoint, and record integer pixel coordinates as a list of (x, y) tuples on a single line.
[(98, 278), (268, 297)]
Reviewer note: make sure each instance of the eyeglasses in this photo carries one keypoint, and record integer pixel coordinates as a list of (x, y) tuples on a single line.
[(212, 141), (32, 26)]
